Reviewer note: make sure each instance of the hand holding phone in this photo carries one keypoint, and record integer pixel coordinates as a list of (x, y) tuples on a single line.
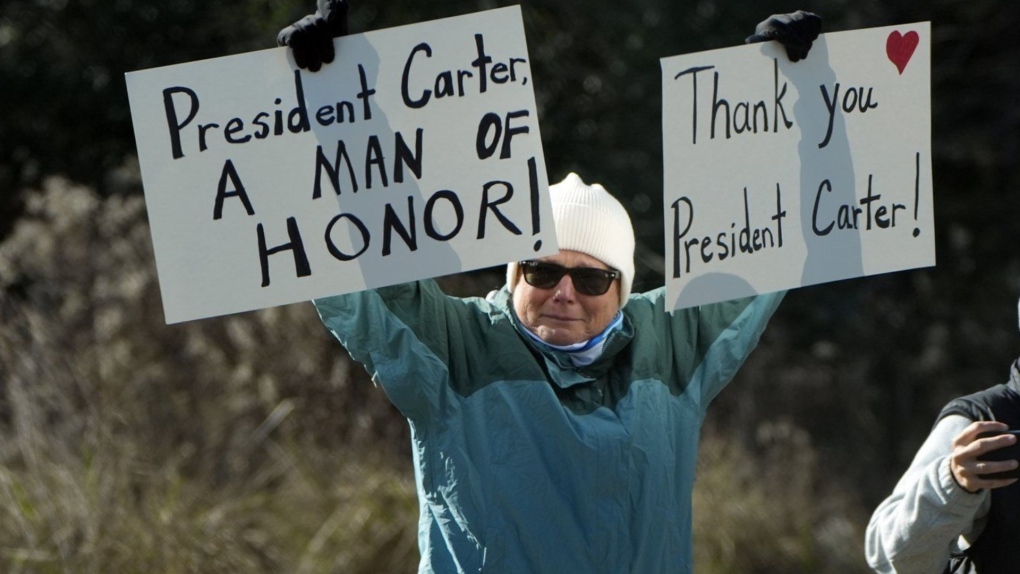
[(1010, 452)]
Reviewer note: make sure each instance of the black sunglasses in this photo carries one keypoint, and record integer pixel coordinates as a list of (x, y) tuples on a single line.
[(587, 280)]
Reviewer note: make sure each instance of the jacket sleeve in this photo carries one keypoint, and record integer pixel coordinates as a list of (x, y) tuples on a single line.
[(921, 523), (726, 334), (420, 344), (399, 334)]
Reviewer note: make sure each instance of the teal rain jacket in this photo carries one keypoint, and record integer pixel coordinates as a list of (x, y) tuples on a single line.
[(527, 464)]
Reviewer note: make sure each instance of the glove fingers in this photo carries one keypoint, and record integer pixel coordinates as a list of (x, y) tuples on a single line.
[(324, 43), (283, 38), (311, 38), (808, 25), (296, 31), (304, 51), (796, 32), (303, 59), (309, 41), (799, 32), (761, 36), (335, 14)]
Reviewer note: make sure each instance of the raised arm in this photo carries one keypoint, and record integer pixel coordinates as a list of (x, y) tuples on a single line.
[(939, 504)]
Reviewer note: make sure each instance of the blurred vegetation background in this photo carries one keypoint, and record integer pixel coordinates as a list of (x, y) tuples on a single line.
[(251, 443)]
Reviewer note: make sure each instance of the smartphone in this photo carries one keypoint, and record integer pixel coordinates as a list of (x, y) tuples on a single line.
[(1011, 452)]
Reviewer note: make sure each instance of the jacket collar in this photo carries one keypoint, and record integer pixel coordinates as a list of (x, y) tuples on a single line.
[(559, 365)]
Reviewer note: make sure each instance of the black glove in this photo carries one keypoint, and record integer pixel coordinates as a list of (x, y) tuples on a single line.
[(311, 38), (794, 31)]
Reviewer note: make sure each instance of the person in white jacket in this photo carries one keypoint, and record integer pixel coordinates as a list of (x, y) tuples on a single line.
[(947, 514)]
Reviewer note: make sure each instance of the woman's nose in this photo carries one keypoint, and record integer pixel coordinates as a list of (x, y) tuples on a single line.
[(565, 289)]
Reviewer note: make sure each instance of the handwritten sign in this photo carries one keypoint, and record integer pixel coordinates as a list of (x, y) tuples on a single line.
[(781, 174), (415, 154)]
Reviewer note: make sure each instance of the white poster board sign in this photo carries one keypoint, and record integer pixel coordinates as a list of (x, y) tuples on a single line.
[(415, 154), (781, 174)]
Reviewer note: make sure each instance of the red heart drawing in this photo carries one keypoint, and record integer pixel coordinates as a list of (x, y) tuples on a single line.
[(900, 47)]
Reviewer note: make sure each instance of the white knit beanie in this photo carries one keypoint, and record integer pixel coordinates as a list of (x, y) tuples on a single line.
[(590, 220)]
